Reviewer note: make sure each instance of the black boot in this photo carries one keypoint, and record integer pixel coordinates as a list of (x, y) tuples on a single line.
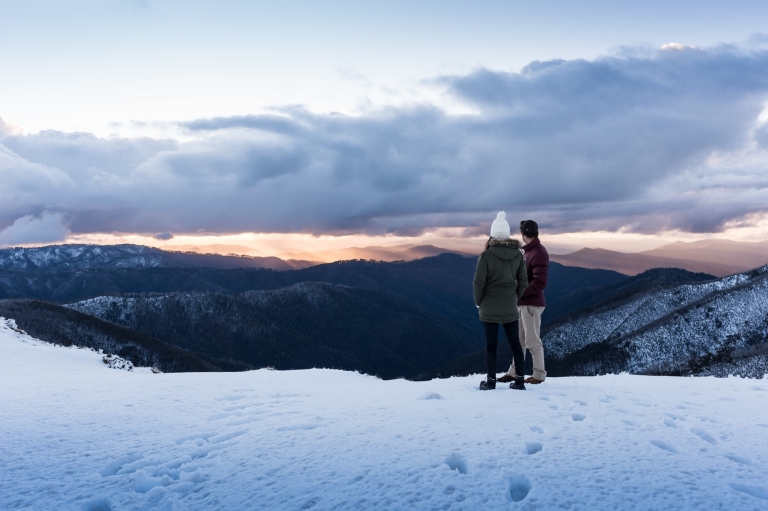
[(518, 383), (488, 384)]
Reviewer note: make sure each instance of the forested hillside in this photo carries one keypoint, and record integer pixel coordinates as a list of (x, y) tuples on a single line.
[(56, 324), (306, 325)]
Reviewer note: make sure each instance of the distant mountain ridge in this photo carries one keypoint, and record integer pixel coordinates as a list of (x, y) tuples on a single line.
[(376, 253), (717, 257), (82, 256)]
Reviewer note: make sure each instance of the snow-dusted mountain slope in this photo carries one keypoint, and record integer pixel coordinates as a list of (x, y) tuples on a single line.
[(81, 256), (80, 436), (674, 330), (78, 257)]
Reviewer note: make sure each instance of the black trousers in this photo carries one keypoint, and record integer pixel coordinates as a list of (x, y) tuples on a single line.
[(491, 341)]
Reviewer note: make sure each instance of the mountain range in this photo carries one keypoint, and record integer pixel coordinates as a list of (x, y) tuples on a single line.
[(391, 319), (414, 319), (80, 256)]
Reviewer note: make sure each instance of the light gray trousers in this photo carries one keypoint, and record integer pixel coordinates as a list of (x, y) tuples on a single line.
[(529, 327)]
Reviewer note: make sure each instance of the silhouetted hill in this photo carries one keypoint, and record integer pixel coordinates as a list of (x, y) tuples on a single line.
[(632, 264)]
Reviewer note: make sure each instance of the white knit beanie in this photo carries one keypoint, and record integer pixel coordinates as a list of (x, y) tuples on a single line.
[(500, 227)]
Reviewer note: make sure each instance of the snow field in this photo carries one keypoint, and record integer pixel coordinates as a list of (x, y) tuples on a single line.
[(78, 435)]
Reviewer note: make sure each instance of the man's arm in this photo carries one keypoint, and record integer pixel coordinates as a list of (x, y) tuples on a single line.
[(539, 272), (522, 279)]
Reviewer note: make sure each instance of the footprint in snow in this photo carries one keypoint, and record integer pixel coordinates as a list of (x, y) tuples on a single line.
[(518, 487), (227, 436), (245, 420), (457, 462), (116, 465), (430, 395), (578, 416), (99, 504), (299, 427), (664, 446), (229, 398), (670, 423), (197, 436), (533, 447), (219, 416), (536, 429), (755, 491), (235, 408), (580, 403), (703, 435), (738, 459)]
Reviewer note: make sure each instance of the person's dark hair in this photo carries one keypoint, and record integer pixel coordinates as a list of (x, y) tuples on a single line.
[(488, 243), (529, 228)]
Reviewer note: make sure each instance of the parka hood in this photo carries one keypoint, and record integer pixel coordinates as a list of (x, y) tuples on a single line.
[(505, 249)]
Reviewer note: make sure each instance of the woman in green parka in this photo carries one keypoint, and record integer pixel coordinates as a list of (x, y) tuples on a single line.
[(500, 279)]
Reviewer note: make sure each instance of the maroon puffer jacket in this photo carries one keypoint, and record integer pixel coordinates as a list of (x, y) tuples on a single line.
[(537, 264)]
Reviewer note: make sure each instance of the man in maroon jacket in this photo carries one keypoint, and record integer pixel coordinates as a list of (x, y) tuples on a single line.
[(531, 304)]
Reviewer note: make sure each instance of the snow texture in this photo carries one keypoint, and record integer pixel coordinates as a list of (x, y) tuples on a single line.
[(79, 436)]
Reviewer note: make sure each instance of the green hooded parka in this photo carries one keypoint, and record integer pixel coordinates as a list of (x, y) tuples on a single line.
[(500, 279)]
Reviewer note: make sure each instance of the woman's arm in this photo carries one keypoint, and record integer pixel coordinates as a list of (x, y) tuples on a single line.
[(478, 285)]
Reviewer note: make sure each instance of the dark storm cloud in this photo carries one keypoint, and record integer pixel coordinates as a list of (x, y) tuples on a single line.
[(644, 143)]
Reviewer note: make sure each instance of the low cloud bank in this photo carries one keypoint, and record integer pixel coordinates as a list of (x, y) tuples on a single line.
[(642, 142)]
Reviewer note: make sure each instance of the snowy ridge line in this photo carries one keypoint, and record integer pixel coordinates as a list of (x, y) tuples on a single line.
[(715, 337), (194, 301), (9, 327), (602, 324), (10, 324), (692, 305), (80, 256)]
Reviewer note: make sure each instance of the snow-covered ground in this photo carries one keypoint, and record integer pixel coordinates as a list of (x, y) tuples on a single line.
[(78, 435)]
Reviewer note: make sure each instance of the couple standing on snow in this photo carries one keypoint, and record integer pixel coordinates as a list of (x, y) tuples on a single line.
[(509, 291)]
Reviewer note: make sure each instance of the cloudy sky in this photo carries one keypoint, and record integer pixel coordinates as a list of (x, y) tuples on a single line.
[(165, 121)]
